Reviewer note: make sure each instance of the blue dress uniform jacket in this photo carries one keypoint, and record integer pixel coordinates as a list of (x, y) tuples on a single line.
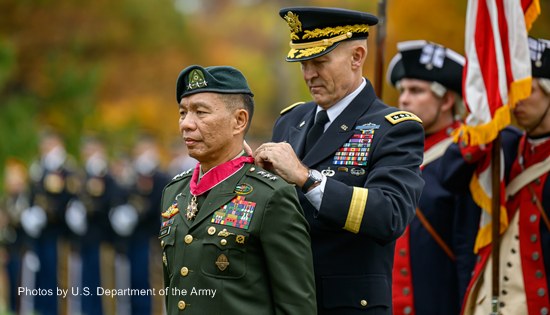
[(252, 261), (438, 281), (365, 208)]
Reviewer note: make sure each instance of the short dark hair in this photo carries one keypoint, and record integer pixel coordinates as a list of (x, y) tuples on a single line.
[(238, 101)]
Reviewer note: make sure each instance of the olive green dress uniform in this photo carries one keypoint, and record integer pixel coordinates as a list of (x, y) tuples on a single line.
[(254, 261)]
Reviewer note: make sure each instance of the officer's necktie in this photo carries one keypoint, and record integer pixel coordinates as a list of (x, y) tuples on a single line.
[(317, 129)]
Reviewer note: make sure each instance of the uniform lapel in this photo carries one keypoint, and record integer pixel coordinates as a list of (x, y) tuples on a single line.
[(298, 133), (341, 129), (219, 196)]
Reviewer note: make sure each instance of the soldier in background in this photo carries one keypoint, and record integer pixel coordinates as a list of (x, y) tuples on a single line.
[(88, 219), (181, 161), (434, 257), (53, 184), (12, 236), (524, 248), (136, 224)]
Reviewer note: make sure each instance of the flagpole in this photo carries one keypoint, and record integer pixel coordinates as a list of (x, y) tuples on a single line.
[(495, 230), (380, 47)]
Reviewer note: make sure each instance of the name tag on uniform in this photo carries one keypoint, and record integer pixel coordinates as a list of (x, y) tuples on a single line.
[(164, 231)]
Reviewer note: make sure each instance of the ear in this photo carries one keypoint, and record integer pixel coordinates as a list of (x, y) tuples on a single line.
[(240, 117), (448, 101), (358, 56)]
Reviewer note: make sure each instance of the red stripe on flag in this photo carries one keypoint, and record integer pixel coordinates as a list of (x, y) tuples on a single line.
[(486, 54), (505, 42)]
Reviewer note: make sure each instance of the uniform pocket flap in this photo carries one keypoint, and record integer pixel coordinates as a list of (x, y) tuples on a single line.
[(360, 292)]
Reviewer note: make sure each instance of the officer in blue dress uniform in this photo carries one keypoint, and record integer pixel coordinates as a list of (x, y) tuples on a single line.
[(136, 222), (53, 184), (87, 218), (355, 161), (12, 236), (433, 259)]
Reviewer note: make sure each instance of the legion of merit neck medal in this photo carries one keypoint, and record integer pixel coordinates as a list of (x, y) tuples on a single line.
[(192, 209)]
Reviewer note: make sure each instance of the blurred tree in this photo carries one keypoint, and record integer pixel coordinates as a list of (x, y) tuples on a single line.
[(109, 68)]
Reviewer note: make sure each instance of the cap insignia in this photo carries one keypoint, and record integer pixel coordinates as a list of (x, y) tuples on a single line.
[(196, 80), (294, 24), (432, 56)]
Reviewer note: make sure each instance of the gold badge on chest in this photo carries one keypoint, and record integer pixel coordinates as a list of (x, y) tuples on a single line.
[(222, 262)]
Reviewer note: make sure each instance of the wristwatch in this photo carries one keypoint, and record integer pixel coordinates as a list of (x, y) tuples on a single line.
[(313, 177)]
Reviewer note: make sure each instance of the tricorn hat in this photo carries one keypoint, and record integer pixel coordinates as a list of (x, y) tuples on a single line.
[(423, 60), (540, 57)]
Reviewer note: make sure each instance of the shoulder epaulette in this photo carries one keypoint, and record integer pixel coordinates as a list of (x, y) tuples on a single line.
[(400, 116), (183, 174), (289, 108)]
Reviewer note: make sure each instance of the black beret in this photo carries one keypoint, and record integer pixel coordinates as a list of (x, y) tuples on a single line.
[(419, 59), (219, 79), (315, 31), (540, 57)]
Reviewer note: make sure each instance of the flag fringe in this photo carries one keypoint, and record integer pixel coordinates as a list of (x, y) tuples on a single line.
[(483, 200), (531, 14), (486, 133)]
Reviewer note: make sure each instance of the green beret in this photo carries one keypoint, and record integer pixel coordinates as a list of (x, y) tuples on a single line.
[(219, 79)]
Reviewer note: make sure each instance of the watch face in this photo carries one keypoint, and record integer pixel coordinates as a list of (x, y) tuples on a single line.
[(315, 175)]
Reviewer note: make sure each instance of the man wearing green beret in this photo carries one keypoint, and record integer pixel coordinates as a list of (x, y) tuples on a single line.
[(234, 237)]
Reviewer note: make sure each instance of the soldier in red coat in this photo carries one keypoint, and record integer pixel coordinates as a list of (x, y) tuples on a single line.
[(525, 245)]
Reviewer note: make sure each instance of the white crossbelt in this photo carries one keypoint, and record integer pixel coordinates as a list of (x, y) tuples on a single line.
[(530, 174), (436, 151)]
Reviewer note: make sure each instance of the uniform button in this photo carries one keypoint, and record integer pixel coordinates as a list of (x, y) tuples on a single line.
[(509, 264), (404, 271), (407, 310), (402, 252), (538, 274), (504, 292), (537, 181), (534, 238), (252, 169), (534, 200), (533, 218), (188, 239), (506, 278), (184, 271), (364, 303), (541, 292), (513, 250), (468, 156), (162, 243), (223, 241), (502, 304), (181, 305), (535, 256), (406, 291), (211, 230), (544, 311)]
